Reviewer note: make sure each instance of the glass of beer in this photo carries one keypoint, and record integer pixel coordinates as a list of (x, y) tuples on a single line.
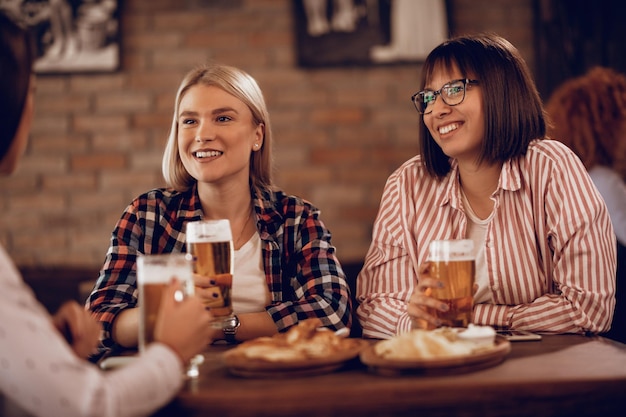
[(154, 273), (210, 243), (452, 261)]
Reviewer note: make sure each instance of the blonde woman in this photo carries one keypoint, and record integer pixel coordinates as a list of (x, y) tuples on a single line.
[(217, 165)]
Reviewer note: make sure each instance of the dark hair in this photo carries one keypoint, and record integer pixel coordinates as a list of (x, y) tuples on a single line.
[(588, 114), (514, 114), (16, 61)]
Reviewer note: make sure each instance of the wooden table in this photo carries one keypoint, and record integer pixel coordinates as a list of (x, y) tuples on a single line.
[(564, 375)]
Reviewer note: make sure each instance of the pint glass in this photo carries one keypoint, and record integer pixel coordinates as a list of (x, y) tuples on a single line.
[(154, 273), (210, 243), (452, 261)]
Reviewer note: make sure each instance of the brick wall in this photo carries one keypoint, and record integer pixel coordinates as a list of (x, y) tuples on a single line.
[(97, 140)]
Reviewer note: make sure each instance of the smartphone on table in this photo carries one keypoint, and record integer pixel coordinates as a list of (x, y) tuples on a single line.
[(518, 335)]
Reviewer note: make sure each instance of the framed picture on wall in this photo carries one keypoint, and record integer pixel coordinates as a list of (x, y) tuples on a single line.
[(367, 32), (71, 35)]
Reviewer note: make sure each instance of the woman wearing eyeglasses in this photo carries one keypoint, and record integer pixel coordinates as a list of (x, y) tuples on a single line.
[(544, 245)]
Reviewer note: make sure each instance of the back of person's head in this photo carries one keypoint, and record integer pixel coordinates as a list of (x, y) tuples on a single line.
[(16, 60), (241, 85), (512, 106), (588, 114)]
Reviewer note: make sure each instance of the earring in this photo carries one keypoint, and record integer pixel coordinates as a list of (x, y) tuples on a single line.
[(256, 145)]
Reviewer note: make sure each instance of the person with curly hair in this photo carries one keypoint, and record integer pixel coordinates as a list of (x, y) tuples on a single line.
[(588, 114)]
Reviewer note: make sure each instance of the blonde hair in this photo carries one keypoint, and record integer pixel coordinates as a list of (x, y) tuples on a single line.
[(241, 85), (588, 114)]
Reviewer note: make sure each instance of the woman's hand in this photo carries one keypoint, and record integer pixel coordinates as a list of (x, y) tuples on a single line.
[(183, 323), (208, 290), (78, 327), (422, 305)]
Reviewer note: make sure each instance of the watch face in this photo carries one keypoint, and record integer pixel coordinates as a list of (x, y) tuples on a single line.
[(232, 323), (230, 329)]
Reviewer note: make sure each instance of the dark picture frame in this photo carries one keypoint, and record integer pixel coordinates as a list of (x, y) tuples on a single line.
[(367, 32), (72, 35)]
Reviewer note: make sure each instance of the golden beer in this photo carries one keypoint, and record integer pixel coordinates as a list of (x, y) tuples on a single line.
[(154, 273), (211, 245), (452, 262), (457, 293), (212, 259), (150, 295)]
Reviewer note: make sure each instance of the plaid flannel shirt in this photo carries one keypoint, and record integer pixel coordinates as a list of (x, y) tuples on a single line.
[(303, 274)]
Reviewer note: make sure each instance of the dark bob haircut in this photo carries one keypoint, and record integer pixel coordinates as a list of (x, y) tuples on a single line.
[(514, 114), (16, 61)]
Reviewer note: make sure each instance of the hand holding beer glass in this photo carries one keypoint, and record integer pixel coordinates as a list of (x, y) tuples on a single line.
[(210, 243), (447, 278), (154, 275)]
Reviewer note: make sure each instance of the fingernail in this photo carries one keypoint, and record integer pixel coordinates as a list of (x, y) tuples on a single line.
[(444, 307), (216, 295), (212, 282)]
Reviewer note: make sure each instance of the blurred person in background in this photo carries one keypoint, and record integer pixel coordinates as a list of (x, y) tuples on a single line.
[(43, 371), (544, 245), (588, 114), (217, 164)]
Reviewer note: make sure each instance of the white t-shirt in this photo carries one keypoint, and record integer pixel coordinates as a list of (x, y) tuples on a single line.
[(41, 375), (476, 231), (250, 290)]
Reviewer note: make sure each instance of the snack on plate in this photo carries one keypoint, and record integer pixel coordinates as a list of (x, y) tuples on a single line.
[(480, 336), (306, 340), (440, 343)]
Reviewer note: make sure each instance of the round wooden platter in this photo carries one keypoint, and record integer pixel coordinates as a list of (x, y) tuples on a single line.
[(440, 366), (240, 365)]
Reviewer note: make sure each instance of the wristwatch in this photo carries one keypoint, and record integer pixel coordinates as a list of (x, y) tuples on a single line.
[(231, 324)]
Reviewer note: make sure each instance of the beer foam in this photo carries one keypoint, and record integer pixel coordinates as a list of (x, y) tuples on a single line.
[(160, 269), (209, 231), (451, 250)]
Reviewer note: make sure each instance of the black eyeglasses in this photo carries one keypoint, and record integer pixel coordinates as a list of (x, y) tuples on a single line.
[(452, 93)]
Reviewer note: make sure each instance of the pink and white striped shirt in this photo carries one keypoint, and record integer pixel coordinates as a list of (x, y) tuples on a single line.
[(550, 249)]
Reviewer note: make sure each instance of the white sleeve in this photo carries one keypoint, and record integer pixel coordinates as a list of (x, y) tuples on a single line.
[(40, 373)]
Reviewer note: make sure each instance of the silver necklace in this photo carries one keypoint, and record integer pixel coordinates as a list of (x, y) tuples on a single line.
[(243, 228)]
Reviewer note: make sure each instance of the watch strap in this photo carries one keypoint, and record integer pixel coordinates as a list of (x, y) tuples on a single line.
[(230, 330)]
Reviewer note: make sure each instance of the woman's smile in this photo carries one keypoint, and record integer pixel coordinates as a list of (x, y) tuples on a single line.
[(443, 130), (207, 154)]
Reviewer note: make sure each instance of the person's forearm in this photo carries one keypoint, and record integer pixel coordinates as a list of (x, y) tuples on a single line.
[(126, 328), (255, 325)]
